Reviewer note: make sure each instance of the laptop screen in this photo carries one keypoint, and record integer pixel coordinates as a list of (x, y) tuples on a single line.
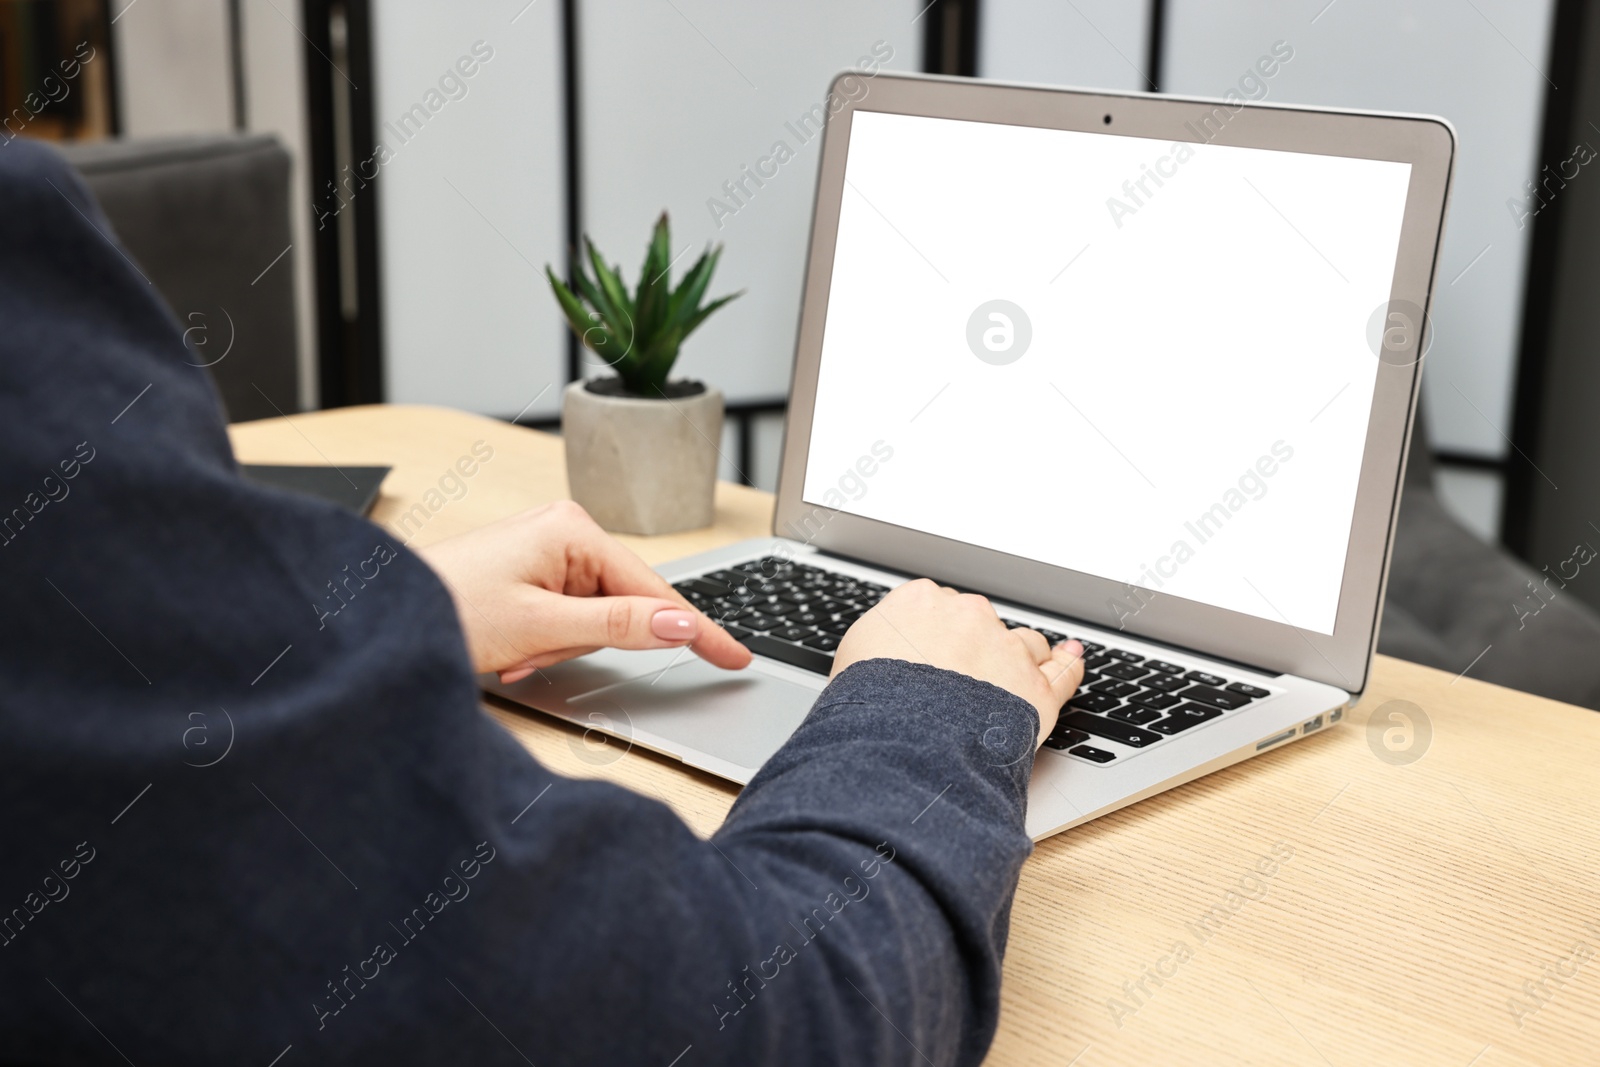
[(1147, 361)]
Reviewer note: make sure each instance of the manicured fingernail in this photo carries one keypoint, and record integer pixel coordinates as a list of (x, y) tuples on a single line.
[(1075, 647), (673, 624)]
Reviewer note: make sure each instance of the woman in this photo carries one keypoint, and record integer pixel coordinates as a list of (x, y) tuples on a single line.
[(240, 826)]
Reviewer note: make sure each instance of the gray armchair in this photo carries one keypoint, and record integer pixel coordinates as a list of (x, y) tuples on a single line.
[(204, 217), (1451, 596)]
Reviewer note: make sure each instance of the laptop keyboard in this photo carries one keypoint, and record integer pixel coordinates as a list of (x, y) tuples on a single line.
[(796, 613)]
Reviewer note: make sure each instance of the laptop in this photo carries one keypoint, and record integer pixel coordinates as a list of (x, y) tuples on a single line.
[(1141, 369)]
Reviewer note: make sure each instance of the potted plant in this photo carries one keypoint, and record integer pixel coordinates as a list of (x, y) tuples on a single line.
[(641, 447)]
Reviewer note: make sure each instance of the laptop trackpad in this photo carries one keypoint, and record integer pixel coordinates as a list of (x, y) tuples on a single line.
[(737, 718)]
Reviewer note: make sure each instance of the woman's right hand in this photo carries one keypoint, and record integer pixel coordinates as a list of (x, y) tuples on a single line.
[(924, 622)]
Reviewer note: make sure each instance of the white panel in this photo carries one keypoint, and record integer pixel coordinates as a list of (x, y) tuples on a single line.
[(1099, 44), (172, 66), (1479, 65), (728, 452), (472, 204), (275, 102), (1473, 497), (677, 98)]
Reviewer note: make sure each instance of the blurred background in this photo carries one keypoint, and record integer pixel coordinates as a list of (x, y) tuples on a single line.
[(427, 161)]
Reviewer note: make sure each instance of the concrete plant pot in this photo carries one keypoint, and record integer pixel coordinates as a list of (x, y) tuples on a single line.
[(638, 465)]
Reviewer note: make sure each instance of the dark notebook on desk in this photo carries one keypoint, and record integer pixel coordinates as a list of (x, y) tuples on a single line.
[(355, 488)]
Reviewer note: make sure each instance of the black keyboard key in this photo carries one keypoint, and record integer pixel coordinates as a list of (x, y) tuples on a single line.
[(1218, 697), (1164, 683), (1114, 688), (739, 632), (793, 633), (1093, 702), (704, 587), (836, 628), (759, 621), (821, 642), (1134, 714), (1091, 647), (1053, 637), (1089, 752), (1180, 719), (1094, 661), (1131, 736), (1205, 679), (1126, 671), (805, 617), (1163, 666), (799, 596), (728, 578), (1151, 698), (1128, 657), (1254, 692), (808, 659), (1065, 738)]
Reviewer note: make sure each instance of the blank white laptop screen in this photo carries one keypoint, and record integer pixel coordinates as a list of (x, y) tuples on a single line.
[(1145, 361)]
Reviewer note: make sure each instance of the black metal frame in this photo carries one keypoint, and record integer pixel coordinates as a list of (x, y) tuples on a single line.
[(349, 340), (950, 38), (235, 16), (573, 172), (113, 93), (1155, 55), (1520, 474)]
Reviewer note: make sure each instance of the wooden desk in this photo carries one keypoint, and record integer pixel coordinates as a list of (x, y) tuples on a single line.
[(1418, 900)]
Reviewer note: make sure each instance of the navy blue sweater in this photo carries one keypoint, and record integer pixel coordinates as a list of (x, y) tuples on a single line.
[(233, 830)]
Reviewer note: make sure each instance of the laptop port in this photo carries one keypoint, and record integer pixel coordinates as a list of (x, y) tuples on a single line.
[(1336, 715), (1269, 742), (1314, 724)]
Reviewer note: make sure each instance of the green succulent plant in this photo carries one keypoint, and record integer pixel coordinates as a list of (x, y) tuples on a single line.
[(638, 336)]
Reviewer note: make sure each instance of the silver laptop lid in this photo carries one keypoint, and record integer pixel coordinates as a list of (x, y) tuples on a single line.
[(1142, 360)]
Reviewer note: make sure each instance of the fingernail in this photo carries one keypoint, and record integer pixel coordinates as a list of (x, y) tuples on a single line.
[(1075, 647), (674, 624)]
